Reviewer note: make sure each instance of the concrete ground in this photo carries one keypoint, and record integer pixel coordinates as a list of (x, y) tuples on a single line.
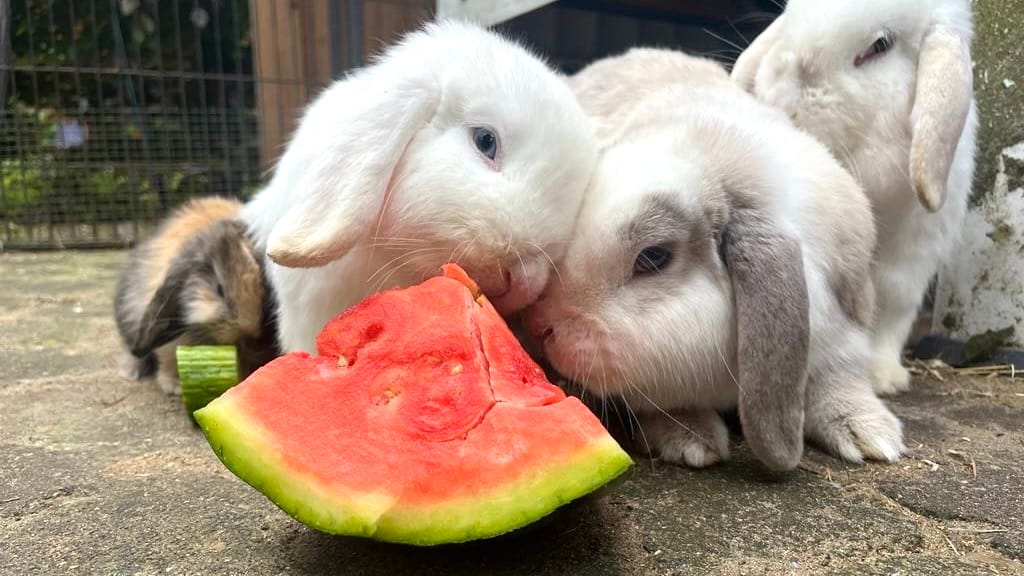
[(100, 475)]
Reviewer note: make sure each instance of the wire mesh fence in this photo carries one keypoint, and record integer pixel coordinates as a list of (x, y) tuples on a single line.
[(114, 111)]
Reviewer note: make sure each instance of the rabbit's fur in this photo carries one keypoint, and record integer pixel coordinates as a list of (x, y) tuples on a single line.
[(887, 87), (385, 178), (766, 299), (197, 280)]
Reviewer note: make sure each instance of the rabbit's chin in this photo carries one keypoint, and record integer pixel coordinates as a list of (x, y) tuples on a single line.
[(608, 374), (586, 369)]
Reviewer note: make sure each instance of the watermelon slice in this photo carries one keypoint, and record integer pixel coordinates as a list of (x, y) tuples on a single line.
[(422, 421)]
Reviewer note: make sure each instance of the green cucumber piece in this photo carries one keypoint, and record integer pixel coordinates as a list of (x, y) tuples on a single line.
[(205, 373)]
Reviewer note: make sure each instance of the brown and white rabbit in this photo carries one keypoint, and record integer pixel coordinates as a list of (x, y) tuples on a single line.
[(720, 260), (887, 86), (198, 280)]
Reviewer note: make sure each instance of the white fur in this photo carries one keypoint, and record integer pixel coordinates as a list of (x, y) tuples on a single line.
[(863, 114), (381, 183), (696, 438), (666, 342)]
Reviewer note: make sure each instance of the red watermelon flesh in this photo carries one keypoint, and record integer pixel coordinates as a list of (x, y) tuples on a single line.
[(422, 420)]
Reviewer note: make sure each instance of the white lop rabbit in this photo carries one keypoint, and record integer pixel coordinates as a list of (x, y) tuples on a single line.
[(887, 86), (720, 258), (456, 145)]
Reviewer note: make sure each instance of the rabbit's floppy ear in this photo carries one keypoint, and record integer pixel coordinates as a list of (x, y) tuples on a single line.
[(942, 102), (770, 292), (360, 129), (163, 319), (744, 71)]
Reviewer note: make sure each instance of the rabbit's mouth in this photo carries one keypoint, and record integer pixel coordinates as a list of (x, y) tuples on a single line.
[(517, 294), (574, 347), (514, 285)]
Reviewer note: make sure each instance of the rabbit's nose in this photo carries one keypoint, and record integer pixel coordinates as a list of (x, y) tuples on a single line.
[(493, 282), (522, 289), (504, 286)]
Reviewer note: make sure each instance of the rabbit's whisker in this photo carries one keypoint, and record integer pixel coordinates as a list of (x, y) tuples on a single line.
[(451, 257), (466, 248), (675, 420), (727, 368), (384, 280), (754, 17), (554, 267), (639, 428), (522, 264), (732, 25), (380, 215), (851, 165), (722, 56), (723, 39), (404, 255)]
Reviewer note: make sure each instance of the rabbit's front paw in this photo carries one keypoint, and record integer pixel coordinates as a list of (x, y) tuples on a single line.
[(858, 429), (132, 368), (689, 438), (889, 376), (168, 383)]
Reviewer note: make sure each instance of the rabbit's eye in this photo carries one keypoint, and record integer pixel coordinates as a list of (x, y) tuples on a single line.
[(880, 46), (486, 141), (220, 290), (652, 259)]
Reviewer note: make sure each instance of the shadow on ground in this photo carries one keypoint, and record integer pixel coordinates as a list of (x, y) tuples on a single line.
[(100, 475)]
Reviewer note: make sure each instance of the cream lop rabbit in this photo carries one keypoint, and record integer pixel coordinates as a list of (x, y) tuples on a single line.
[(887, 87), (720, 258)]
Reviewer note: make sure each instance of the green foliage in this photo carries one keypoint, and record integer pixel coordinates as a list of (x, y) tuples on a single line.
[(125, 35), (23, 185), (153, 141)]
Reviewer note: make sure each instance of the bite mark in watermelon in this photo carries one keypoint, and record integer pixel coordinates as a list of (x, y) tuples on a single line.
[(422, 420)]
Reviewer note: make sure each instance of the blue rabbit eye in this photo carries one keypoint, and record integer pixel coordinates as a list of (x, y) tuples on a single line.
[(486, 141)]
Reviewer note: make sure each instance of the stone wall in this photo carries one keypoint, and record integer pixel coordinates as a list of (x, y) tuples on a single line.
[(998, 83), (983, 288)]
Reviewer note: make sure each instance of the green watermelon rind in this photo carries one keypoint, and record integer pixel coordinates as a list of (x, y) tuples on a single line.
[(243, 447)]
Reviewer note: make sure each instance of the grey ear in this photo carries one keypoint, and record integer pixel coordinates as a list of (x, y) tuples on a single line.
[(770, 292), (163, 320)]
